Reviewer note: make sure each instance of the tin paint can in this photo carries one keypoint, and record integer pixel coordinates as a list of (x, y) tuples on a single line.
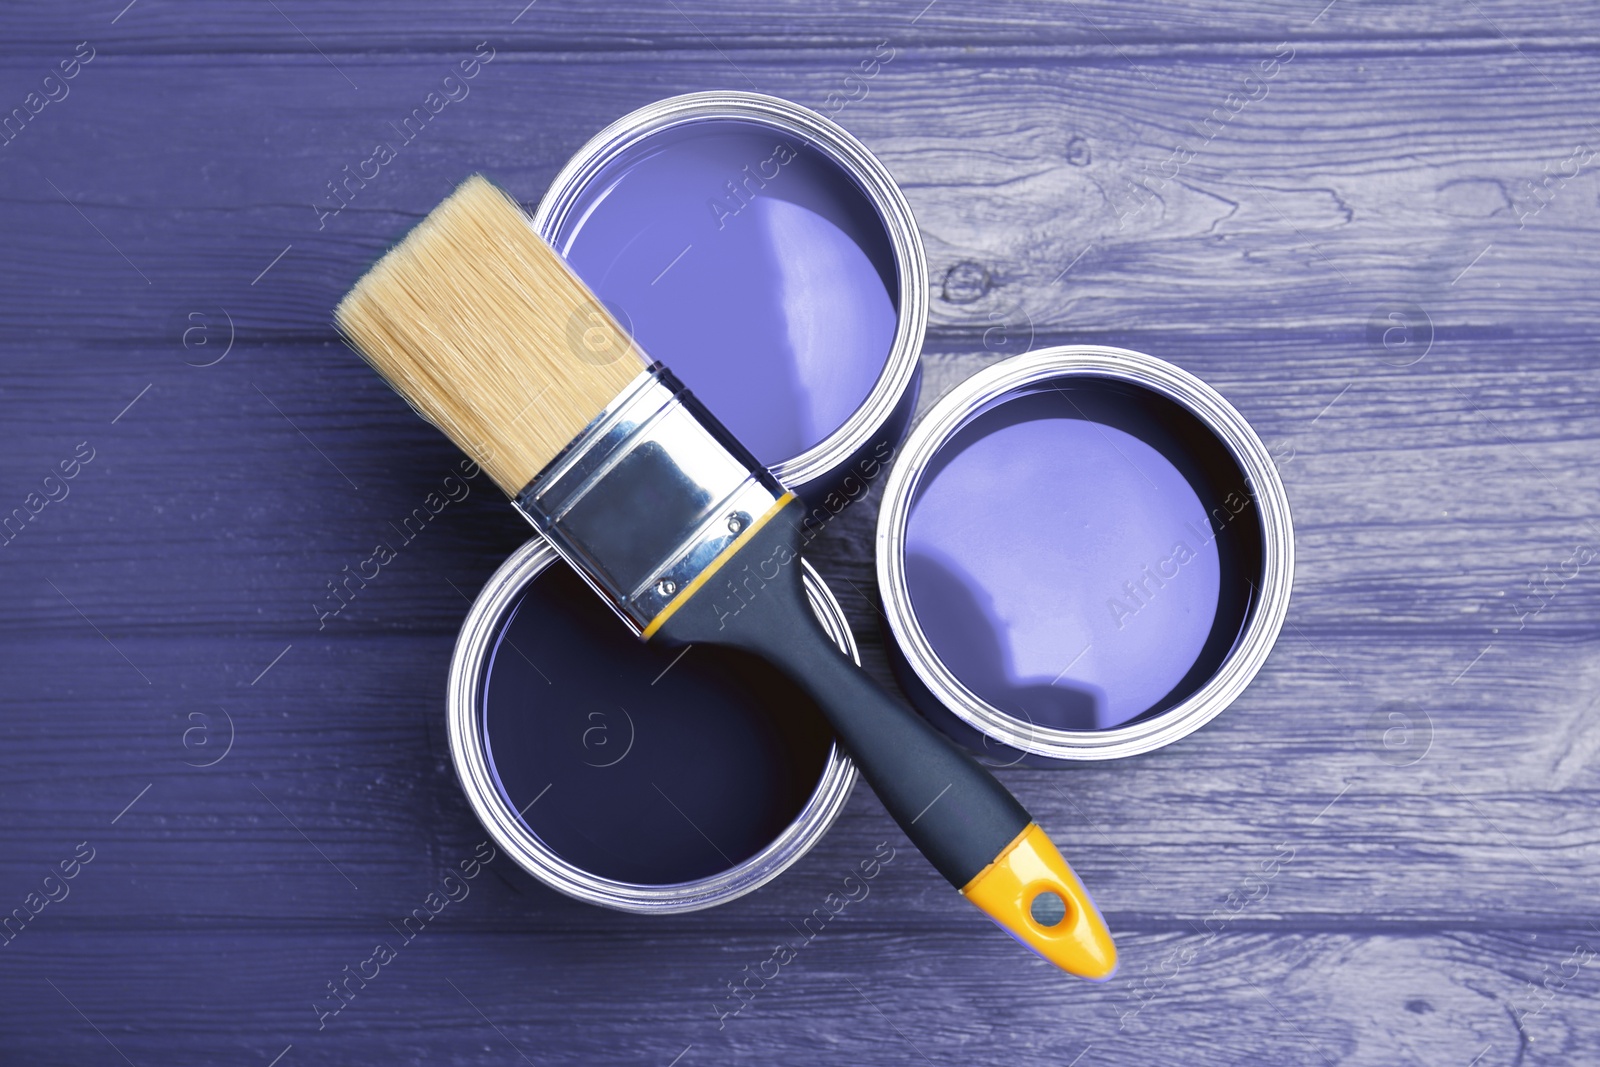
[(766, 257), (642, 779), (1084, 553)]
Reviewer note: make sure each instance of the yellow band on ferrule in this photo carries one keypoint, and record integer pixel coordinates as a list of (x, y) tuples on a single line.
[(1029, 866), (711, 568)]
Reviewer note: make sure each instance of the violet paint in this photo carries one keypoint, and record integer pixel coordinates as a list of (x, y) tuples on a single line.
[(634, 763), (750, 264), (1078, 557)]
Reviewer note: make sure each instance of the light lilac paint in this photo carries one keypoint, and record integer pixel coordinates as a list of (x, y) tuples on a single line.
[(1063, 568), (751, 265)]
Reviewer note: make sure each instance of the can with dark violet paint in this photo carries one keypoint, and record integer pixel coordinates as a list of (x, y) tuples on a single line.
[(1084, 553), (643, 779)]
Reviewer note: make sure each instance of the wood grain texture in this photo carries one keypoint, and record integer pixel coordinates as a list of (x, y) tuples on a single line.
[(1333, 195), (1446, 823), (1383, 853), (855, 993), (304, 26)]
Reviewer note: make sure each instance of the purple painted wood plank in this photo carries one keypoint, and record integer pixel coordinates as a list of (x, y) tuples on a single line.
[(864, 990), (305, 27), (1078, 197), (341, 740)]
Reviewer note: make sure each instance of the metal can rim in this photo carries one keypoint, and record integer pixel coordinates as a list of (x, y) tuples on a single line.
[(855, 160), (992, 385), (477, 780)]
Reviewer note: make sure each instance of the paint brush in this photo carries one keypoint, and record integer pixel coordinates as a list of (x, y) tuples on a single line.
[(485, 331)]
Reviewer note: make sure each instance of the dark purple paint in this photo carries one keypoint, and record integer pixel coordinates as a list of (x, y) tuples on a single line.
[(1075, 556), (751, 265), (659, 769)]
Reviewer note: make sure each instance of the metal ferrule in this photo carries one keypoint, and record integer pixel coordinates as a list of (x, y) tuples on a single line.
[(647, 496)]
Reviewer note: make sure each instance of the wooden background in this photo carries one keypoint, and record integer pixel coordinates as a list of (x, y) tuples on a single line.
[(1385, 853)]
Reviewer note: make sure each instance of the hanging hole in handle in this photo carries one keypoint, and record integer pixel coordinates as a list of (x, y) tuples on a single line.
[(1048, 909)]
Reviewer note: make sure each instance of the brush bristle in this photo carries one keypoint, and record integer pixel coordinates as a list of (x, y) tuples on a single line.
[(486, 331)]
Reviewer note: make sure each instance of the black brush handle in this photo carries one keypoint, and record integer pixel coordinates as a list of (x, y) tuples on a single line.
[(970, 827)]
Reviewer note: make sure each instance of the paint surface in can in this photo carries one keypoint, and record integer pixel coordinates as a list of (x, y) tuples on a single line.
[(752, 265), (630, 762), (1081, 556)]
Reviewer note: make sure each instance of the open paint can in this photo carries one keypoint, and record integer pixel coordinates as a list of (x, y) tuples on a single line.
[(626, 775), (768, 259), (1084, 553)]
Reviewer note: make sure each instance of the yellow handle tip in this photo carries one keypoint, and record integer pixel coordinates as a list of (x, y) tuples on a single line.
[(1029, 867)]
